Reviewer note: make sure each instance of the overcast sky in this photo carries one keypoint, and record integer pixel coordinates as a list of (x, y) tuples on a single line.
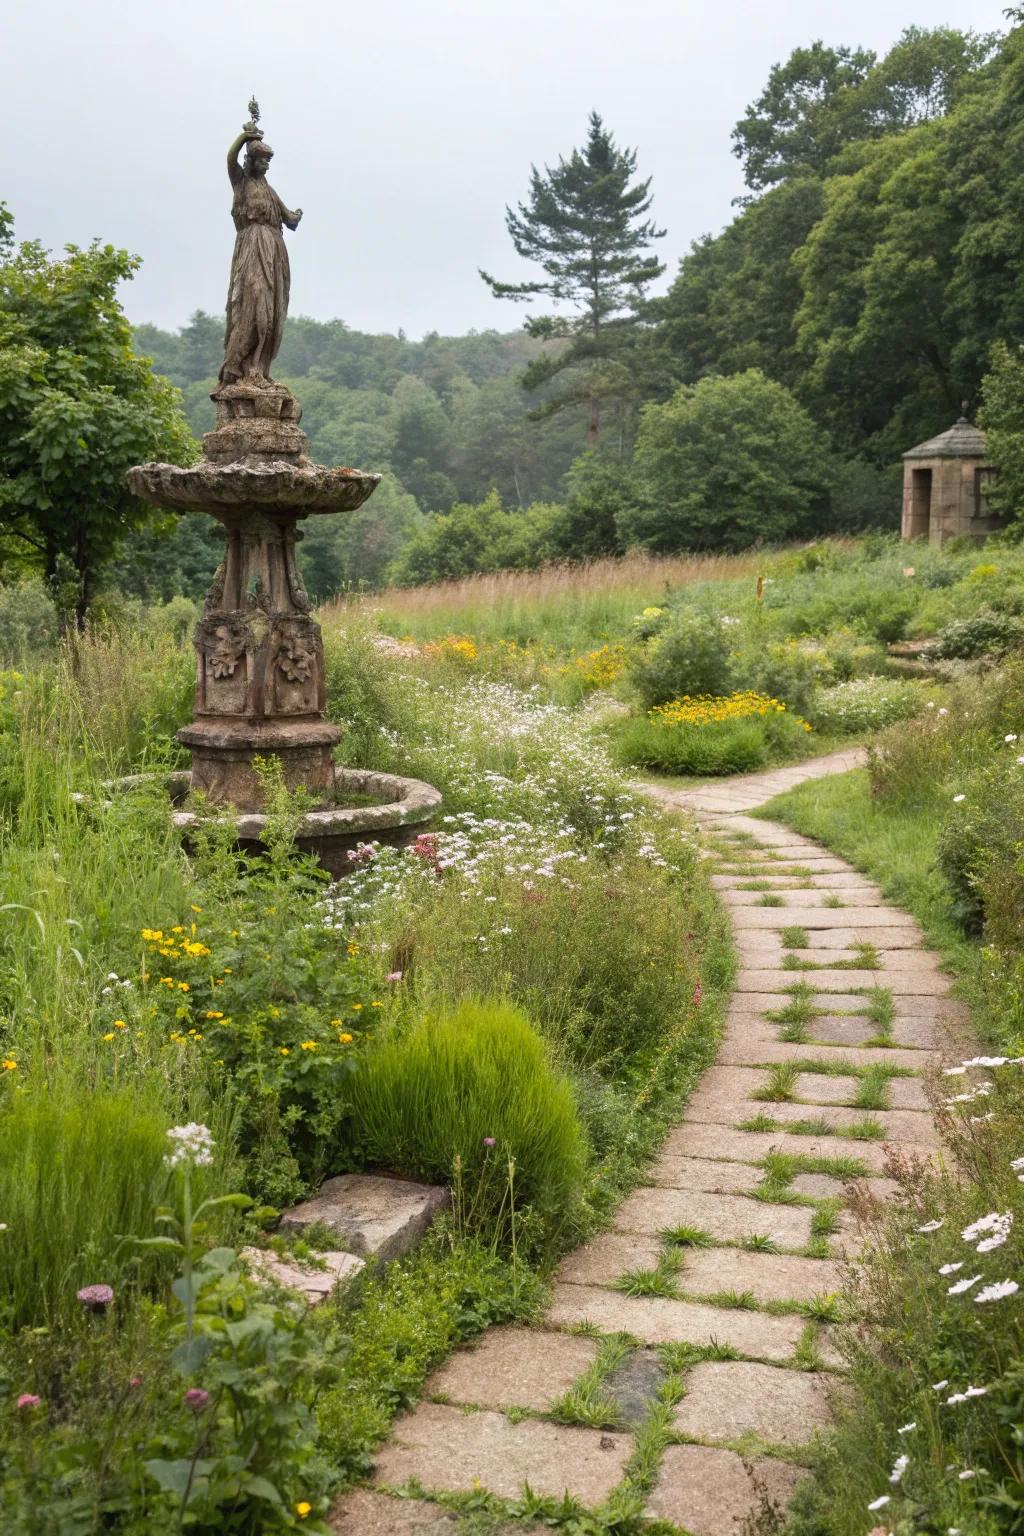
[(401, 127)]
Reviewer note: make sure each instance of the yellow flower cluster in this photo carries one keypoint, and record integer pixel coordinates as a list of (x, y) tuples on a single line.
[(601, 667), (706, 709), (461, 647)]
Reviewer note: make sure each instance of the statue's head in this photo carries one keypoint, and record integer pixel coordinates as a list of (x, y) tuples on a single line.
[(258, 156)]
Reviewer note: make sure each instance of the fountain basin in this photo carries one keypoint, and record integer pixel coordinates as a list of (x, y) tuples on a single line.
[(272, 485), (331, 833)]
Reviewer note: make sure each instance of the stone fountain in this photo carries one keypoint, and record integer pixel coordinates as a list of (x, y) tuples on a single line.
[(260, 661)]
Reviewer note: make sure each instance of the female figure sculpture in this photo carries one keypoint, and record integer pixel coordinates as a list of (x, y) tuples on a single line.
[(260, 275)]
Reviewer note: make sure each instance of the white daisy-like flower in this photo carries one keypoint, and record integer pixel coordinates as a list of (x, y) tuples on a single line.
[(878, 1503), (958, 798), (943, 711), (1010, 737), (967, 1473), (905, 1429), (899, 1467), (939, 1386), (1018, 1164), (962, 1285), (998, 1292), (931, 1226), (951, 1269)]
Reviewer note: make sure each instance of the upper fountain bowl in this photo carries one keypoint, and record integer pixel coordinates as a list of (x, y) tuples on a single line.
[(269, 485)]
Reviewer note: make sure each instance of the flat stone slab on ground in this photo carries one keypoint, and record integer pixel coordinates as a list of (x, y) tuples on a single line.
[(867, 919), (727, 1399), (712, 1492), (823, 1088), (663, 1320), (608, 1256), (729, 1218), (705, 1175), (444, 1448), (365, 1513), (722, 1141), (770, 1276), (899, 1125), (514, 1368), (312, 1283), (907, 1093), (758, 1044), (376, 1217)]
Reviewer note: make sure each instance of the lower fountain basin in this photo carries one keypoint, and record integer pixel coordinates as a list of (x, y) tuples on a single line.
[(332, 833)]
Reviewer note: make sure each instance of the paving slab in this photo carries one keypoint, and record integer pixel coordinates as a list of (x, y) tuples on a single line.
[(760, 1045), (443, 1448), (513, 1368), (635, 1384), (770, 1276), (907, 1093), (864, 919), (606, 1257), (836, 880), (890, 944), (753, 1146), (374, 1216), (663, 1320), (363, 1512), (898, 1125), (900, 985), (727, 1399), (312, 1283), (728, 1218), (819, 1088), (712, 1492), (704, 1174)]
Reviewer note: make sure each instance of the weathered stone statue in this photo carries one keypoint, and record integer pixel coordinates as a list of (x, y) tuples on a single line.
[(260, 274)]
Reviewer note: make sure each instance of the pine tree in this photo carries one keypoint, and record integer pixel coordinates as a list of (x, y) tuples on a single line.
[(584, 223)]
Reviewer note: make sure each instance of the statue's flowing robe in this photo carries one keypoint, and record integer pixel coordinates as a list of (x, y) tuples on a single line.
[(260, 281)]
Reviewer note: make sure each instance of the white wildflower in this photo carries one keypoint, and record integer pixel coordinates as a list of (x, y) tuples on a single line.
[(939, 1386), (905, 1429), (962, 1285), (951, 1269), (931, 1226), (899, 1467), (968, 1472), (190, 1144), (957, 799), (1010, 737), (878, 1503), (998, 1292)]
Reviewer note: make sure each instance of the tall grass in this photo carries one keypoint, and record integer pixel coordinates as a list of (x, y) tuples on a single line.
[(568, 606), (472, 1093)]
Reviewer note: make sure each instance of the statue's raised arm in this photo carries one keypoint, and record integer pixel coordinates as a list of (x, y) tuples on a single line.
[(260, 275)]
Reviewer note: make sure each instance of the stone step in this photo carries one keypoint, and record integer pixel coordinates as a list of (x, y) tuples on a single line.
[(727, 1399), (663, 1320), (711, 1492)]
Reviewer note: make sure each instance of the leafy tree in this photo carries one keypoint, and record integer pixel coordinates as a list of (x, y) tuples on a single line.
[(358, 549), (823, 99), (479, 538), (585, 225), (726, 463), (1002, 416), (77, 409), (797, 125)]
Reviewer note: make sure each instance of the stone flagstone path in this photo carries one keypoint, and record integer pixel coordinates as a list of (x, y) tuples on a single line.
[(737, 1244)]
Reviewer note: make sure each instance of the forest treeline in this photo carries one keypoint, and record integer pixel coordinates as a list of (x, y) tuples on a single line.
[(870, 281)]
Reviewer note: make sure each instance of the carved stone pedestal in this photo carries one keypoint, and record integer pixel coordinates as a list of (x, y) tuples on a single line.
[(260, 659)]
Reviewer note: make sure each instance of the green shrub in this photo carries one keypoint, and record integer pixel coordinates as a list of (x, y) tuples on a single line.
[(987, 632), (475, 1086), (28, 622), (786, 670), (732, 746), (866, 703), (690, 655)]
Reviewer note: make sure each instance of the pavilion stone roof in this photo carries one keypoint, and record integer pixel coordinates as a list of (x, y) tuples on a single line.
[(963, 440)]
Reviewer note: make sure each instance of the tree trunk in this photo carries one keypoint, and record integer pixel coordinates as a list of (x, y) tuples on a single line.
[(594, 425)]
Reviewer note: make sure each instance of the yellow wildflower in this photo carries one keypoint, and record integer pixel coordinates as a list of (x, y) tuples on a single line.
[(345, 1039), (357, 1007), (120, 1024), (335, 1023), (110, 1036), (152, 935), (352, 948), (177, 928), (167, 981), (375, 1004), (303, 1508), (308, 1045), (284, 1050), (197, 909), (211, 1013), (10, 1065), (183, 986)]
